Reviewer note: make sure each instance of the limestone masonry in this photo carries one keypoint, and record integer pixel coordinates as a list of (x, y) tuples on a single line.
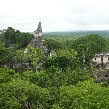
[(37, 41)]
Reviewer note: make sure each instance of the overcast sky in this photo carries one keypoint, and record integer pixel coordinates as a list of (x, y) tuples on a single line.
[(55, 15)]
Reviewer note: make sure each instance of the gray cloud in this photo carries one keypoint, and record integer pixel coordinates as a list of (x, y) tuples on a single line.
[(55, 15)]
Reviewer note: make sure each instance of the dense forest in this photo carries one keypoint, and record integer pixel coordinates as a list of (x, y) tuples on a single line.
[(65, 80), (75, 34)]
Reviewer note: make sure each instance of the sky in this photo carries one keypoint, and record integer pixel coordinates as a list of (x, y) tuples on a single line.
[(55, 15)]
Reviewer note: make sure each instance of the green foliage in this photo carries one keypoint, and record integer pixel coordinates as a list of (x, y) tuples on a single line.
[(18, 56), (51, 78), (27, 75), (65, 81), (56, 78), (10, 36), (19, 94), (52, 44), (16, 38), (74, 34), (87, 46), (6, 74), (6, 55), (23, 40), (105, 84), (62, 59), (85, 95), (2, 44), (28, 89), (32, 56)]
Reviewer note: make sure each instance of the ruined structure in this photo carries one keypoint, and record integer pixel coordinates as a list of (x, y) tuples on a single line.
[(38, 32), (101, 75), (102, 60), (37, 41), (100, 63)]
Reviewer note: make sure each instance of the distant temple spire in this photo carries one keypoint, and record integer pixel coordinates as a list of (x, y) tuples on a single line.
[(39, 27), (38, 41), (38, 32)]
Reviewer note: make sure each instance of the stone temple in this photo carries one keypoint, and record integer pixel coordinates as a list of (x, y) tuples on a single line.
[(37, 41), (38, 32)]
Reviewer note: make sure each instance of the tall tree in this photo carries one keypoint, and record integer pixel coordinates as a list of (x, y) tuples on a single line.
[(87, 46), (10, 36)]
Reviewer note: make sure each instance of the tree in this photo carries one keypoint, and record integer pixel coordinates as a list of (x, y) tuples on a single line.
[(53, 77), (16, 38), (10, 36), (6, 74), (6, 55), (52, 44), (17, 59), (87, 46), (84, 95), (20, 94), (32, 56), (23, 39), (19, 91), (62, 59)]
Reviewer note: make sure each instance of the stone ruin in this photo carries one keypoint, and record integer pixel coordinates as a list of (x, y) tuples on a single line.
[(37, 41), (101, 60), (100, 63), (38, 32)]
